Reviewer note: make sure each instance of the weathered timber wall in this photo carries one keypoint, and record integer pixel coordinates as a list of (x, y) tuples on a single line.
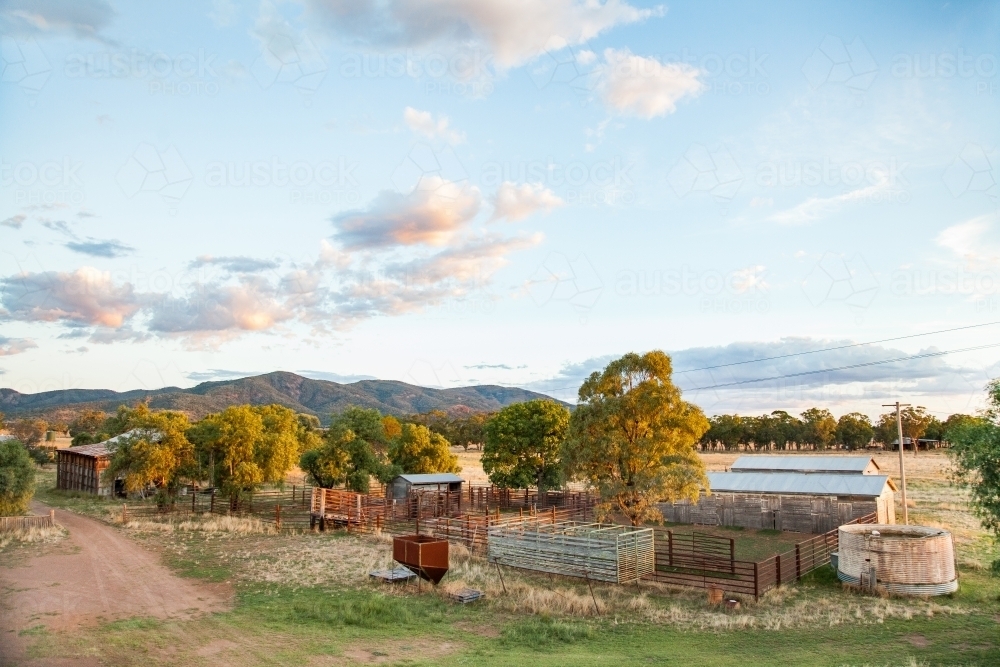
[(800, 513)]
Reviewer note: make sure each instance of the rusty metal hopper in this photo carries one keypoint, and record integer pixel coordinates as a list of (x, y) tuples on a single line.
[(425, 555)]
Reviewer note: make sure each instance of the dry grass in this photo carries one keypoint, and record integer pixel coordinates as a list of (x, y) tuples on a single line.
[(46, 535), (210, 524)]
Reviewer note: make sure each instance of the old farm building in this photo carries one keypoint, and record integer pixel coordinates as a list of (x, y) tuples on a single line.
[(80, 468), (809, 494)]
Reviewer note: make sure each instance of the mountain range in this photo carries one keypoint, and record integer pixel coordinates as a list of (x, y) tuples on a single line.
[(316, 397)]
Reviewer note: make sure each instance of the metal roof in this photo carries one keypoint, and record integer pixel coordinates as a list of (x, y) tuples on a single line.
[(432, 478), (797, 482), (107, 448), (805, 463)]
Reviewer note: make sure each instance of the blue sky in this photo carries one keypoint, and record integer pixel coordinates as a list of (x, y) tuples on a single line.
[(466, 192)]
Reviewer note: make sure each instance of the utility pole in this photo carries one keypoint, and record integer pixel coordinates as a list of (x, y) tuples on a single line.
[(902, 471)]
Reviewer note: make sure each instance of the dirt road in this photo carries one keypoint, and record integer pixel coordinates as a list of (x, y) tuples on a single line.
[(96, 574)]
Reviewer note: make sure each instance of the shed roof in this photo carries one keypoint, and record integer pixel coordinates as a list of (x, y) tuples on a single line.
[(107, 448), (432, 478), (796, 482), (807, 463)]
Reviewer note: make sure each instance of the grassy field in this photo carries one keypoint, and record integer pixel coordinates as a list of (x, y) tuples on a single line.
[(306, 599)]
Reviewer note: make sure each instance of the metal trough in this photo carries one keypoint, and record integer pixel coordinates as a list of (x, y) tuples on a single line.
[(425, 555)]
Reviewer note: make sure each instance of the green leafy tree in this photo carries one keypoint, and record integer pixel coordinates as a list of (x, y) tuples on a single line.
[(730, 430), (250, 446), (633, 438), (915, 422), (819, 428), (86, 427), (523, 444), (470, 431), (155, 453), (17, 478), (954, 421), (350, 452), (854, 430), (417, 450), (975, 448)]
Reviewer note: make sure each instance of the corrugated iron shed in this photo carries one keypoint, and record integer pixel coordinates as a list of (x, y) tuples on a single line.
[(800, 483), (432, 478), (860, 465)]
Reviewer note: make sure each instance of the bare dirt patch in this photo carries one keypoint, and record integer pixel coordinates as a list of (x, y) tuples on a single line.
[(96, 575), (918, 640)]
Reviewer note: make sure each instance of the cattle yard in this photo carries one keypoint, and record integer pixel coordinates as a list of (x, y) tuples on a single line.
[(777, 579)]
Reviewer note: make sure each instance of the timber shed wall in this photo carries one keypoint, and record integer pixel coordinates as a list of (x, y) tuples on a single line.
[(795, 512), (78, 472)]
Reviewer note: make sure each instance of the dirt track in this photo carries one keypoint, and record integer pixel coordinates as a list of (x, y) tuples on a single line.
[(96, 574)]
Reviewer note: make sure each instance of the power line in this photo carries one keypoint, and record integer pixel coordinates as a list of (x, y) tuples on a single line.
[(839, 347), (844, 368)]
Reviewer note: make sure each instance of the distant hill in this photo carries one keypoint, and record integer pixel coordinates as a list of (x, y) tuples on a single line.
[(317, 397)]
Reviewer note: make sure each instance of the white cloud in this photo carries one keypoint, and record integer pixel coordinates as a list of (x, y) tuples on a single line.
[(84, 18), (430, 215), (251, 305), (864, 388), (12, 346), (516, 202), (644, 87), (423, 123), (513, 31), (817, 208), (85, 297), (969, 240)]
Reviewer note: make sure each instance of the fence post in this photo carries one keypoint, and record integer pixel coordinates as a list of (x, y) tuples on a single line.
[(732, 556), (798, 563), (277, 516), (194, 496), (670, 548), (553, 508), (52, 518), (211, 503), (124, 513), (777, 571), (756, 582)]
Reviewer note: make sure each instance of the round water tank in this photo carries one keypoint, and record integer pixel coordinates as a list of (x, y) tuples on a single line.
[(908, 560)]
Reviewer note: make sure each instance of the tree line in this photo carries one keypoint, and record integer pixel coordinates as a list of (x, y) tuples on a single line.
[(817, 428)]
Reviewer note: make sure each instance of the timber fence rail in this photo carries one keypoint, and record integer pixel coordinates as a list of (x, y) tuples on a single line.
[(485, 497), (21, 523), (708, 561)]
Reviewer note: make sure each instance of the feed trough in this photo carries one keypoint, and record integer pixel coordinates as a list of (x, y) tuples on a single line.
[(905, 560), (427, 556)]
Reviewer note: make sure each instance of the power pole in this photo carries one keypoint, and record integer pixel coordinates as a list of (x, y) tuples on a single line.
[(902, 471)]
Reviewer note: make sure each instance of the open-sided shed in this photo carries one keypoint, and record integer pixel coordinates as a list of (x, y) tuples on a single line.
[(402, 485), (80, 468)]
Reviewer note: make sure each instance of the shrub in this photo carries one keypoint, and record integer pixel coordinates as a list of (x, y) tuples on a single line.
[(17, 478)]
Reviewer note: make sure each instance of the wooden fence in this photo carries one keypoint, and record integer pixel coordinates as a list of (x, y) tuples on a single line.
[(707, 561), (13, 523), (484, 497)]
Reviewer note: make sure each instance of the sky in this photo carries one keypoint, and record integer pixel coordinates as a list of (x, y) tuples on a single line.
[(512, 192)]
